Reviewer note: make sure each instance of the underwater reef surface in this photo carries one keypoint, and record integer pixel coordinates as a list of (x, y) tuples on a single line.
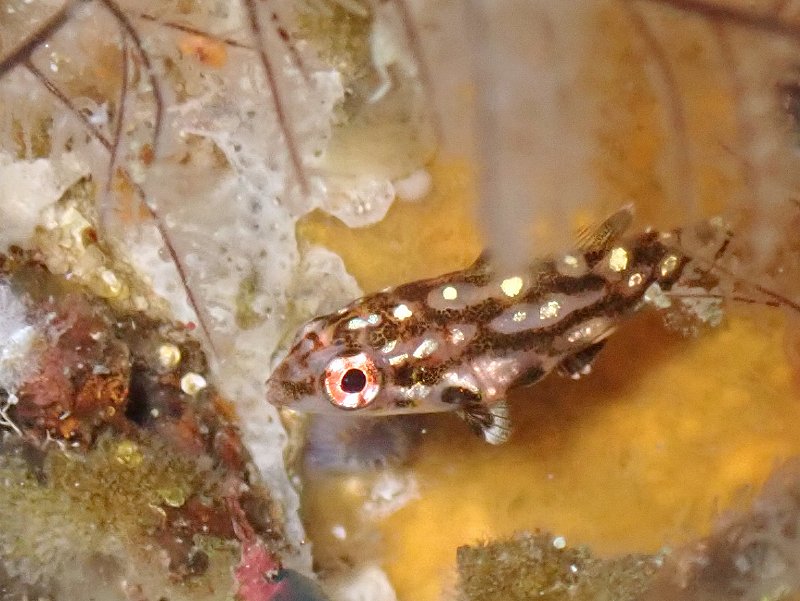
[(158, 182), (123, 470)]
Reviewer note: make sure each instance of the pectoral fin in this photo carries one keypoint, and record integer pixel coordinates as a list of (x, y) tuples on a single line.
[(491, 423)]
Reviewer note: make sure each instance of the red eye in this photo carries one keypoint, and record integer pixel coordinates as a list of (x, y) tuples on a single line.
[(352, 382)]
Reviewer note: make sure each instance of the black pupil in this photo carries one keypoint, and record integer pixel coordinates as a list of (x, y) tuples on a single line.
[(354, 380)]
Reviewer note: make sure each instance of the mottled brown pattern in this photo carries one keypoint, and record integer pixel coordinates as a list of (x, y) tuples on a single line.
[(380, 335), (483, 311), (554, 282), (298, 388)]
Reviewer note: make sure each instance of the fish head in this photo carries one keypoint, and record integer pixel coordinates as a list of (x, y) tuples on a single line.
[(342, 362)]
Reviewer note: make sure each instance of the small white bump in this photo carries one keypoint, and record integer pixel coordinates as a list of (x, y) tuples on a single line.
[(169, 355), (192, 383)]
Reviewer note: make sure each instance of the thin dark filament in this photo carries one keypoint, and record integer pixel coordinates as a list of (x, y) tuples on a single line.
[(51, 87), (119, 122), (123, 95), (284, 35), (286, 38), (779, 298), (55, 91), (674, 104), (23, 52), (179, 266), (735, 297), (738, 16), (415, 45), (744, 131), (194, 31), (277, 101), (158, 99)]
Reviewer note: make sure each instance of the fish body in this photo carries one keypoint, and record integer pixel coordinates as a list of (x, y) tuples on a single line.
[(461, 341)]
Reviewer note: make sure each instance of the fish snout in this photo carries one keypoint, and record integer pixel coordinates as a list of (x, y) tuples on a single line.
[(278, 392)]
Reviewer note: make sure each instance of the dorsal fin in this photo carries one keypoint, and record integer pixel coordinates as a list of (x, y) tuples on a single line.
[(604, 235)]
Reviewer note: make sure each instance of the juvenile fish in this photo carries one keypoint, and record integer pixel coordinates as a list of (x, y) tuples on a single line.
[(461, 341)]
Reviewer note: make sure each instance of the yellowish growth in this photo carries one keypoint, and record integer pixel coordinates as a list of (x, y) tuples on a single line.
[(340, 36), (69, 244), (246, 316), (102, 506)]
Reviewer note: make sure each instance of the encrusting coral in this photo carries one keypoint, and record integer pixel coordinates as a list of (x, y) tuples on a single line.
[(125, 467)]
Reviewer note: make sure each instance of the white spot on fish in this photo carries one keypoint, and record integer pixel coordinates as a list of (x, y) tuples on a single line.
[(402, 312), (511, 286), (668, 265), (457, 297), (571, 266), (519, 316), (618, 259), (549, 310), (389, 347), (357, 323), (426, 348), (635, 280), (462, 332), (398, 359), (417, 392), (449, 293)]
